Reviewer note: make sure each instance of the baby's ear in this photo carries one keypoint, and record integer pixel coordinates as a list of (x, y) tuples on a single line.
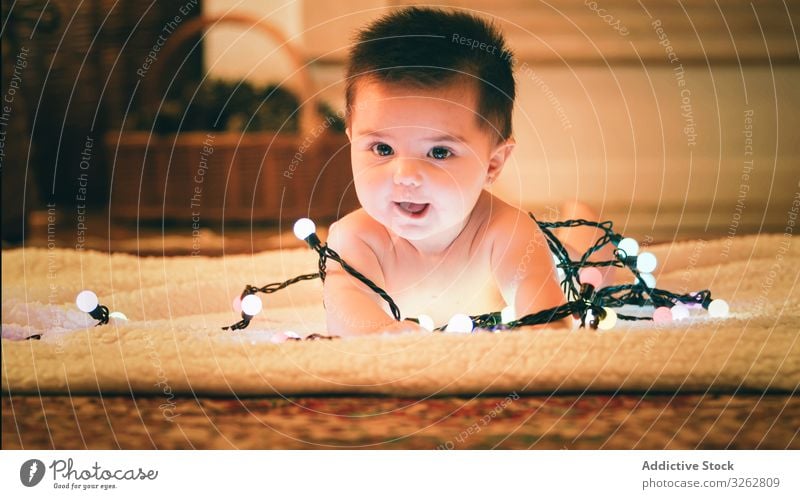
[(498, 158)]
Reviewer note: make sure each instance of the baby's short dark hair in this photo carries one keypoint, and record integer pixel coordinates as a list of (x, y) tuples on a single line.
[(428, 48)]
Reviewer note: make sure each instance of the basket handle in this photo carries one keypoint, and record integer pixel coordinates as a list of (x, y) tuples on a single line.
[(308, 100)]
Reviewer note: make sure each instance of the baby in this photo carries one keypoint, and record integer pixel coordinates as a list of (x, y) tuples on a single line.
[(429, 97)]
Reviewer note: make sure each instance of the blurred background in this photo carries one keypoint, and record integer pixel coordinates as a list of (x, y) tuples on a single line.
[(156, 128)]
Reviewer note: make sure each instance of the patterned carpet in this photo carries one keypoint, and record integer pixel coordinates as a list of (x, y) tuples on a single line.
[(698, 421)]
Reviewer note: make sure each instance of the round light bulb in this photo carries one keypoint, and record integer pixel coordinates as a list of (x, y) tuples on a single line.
[(649, 280), (608, 321), (629, 246), (508, 314), (718, 308), (251, 305), (426, 322), (646, 262), (237, 304), (591, 275), (459, 323), (679, 312), (304, 228), (662, 315), (86, 301), (118, 315)]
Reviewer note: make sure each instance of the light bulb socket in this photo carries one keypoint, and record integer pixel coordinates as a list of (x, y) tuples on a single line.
[(595, 321), (598, 314), (100, 313), (587, 292), (313, 241)]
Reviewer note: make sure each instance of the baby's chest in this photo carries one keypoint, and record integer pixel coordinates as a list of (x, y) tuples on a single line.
[(444, 289)]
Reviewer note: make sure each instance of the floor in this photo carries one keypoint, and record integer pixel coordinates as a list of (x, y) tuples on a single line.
[(750, 421)]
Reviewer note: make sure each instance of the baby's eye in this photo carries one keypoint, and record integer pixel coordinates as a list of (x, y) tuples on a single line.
[(440, 153), (382, 149)]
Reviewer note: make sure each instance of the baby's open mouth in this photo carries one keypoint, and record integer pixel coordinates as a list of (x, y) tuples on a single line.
[(414, 209)]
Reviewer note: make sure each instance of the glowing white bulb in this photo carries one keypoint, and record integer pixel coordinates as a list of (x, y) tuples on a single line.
[(508, 314), (426, 322), (591, 275), (646, 262), (718, 308), (251, 305), (649, 280), (118, 315), (679, 312), (86, 301), (459, 323), (629, 246), (304, 228), (662, 315), (609, 320)]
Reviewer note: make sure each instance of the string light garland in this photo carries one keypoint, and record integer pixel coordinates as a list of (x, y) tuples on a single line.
[(580, 280), (87, 302), (305, 230)]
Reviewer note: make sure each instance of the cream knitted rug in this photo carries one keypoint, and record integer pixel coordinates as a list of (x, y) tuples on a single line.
[(173, 342)]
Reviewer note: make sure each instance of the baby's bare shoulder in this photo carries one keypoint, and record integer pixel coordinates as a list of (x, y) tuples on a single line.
[(505, 219), (357, 229)]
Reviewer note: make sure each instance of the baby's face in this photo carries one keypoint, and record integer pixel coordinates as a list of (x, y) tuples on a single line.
[(420, 160)]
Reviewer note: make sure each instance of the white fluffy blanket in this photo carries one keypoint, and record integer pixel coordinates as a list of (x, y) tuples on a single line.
[(173, 342)]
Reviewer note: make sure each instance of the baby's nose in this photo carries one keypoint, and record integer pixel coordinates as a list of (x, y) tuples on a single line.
[(407, 172)]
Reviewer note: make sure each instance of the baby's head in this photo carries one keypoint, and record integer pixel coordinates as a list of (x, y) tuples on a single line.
[(430, 95)]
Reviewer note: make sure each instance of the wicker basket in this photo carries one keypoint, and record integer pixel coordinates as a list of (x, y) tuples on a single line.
[(231, 176)]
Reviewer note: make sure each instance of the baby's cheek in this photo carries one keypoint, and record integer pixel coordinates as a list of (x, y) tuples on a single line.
[(371, 180)]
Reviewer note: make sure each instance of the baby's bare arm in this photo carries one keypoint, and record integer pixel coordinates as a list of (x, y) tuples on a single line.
[(351, 307), (524, 268)]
